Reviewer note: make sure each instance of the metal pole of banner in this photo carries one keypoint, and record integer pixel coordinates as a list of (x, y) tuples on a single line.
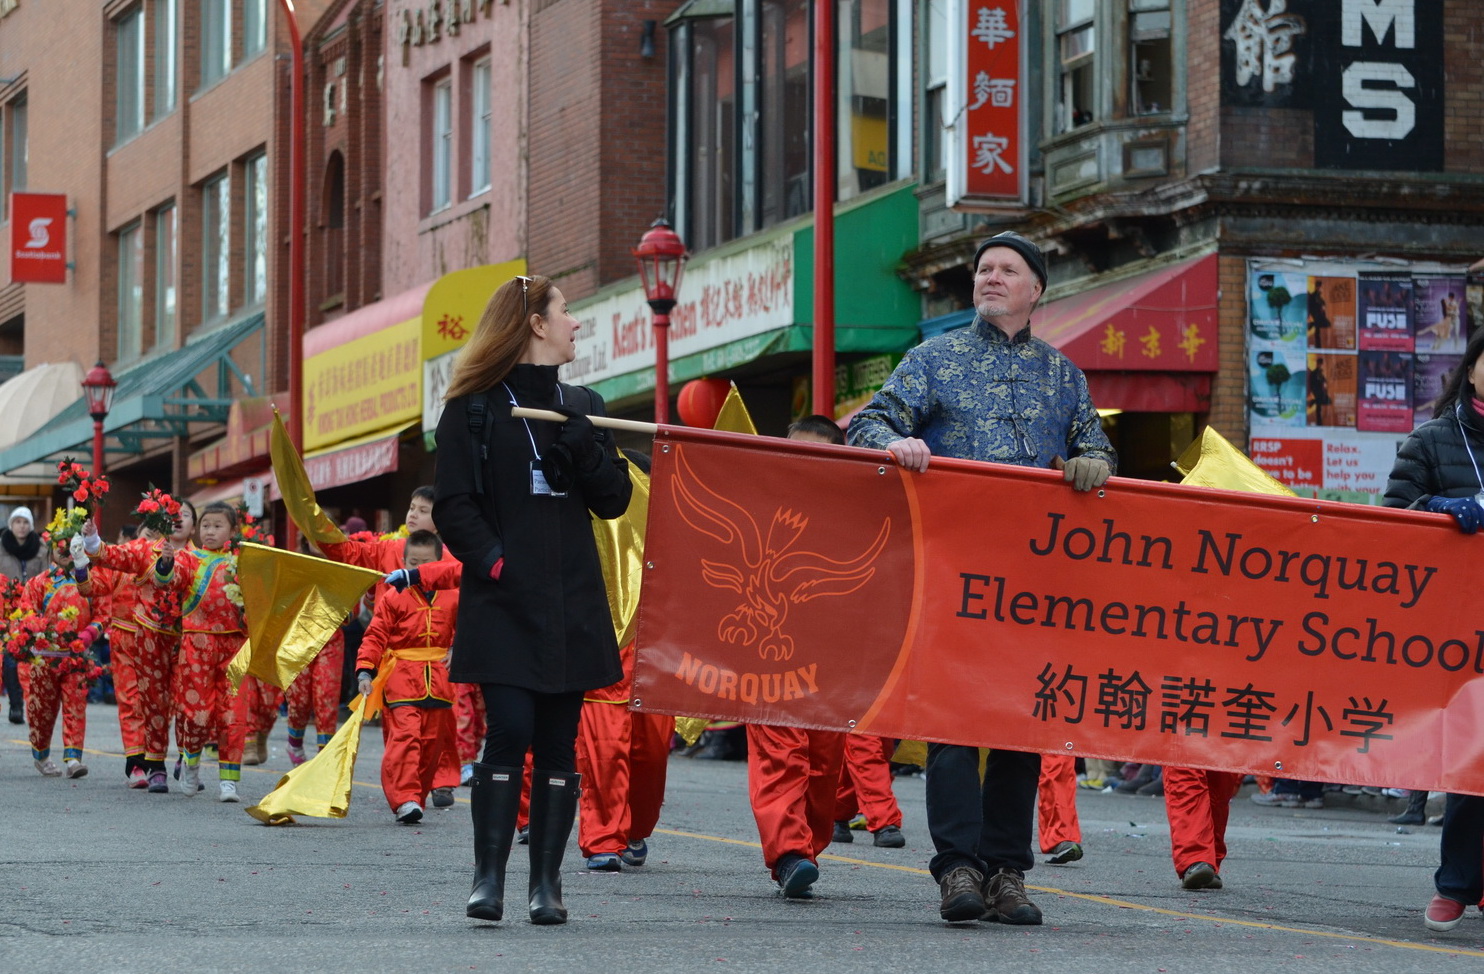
[(824, 207), (296, 247)]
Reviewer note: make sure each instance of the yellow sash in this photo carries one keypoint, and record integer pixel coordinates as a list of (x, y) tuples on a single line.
[(413, 654)]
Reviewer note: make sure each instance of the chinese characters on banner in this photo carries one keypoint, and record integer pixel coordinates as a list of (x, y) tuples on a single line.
[(1154, 622), (1344, 361), (988, 159)]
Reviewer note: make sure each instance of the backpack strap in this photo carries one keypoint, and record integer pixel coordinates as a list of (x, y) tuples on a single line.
[(477, 411)]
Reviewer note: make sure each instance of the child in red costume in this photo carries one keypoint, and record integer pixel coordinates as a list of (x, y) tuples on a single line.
[(315, 695), (1056, 810), (1198, 803), (212, 631), (402, 665), (57, 595), (123, 643), (865, 787), (157, 614)]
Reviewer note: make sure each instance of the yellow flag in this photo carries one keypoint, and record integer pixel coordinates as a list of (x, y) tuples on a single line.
[(293, 603), (1211, 461), (297, 491), (621, 553), (734, 417), (320, 787)]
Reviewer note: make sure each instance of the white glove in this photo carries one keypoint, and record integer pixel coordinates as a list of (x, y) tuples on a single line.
[(1085, 473), (91, 540), (78, 548), (364, 685)]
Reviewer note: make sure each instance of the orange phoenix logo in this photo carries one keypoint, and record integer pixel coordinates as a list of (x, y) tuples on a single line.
[(766, 570)]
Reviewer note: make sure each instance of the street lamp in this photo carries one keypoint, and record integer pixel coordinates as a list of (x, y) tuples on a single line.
[(97, 388), (661, 256)]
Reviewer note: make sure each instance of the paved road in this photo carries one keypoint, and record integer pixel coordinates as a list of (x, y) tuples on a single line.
[(95, 877)]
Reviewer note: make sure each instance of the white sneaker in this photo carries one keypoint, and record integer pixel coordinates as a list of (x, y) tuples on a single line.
[(73, 768), (228, 791), (190, 779), (409, 813), (48, 768)]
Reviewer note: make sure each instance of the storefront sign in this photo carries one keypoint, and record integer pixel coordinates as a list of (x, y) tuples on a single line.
[(1153, 622), (721, 300), (451, 312), (352, 464), (986, 161), (365, 385), (38, 238)]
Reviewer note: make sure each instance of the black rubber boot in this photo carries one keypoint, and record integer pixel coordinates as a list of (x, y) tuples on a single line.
[(553, 807), (1416, 812), (494, 802)]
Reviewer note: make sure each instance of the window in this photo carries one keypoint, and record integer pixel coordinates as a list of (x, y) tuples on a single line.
[(164, 48), (333, 219), (863, 96), (216, 40), (19, 149), (1151, 63), (935, 60), (166, 256), (442, 181), (216, 247), (129, 97), (254, 27), (712, 127), (1075, 45), (479, 142), (786, 112), (256, 222), (131, 292)]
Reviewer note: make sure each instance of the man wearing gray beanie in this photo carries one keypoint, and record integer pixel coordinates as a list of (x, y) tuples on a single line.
[(21, 558), (992, 392)]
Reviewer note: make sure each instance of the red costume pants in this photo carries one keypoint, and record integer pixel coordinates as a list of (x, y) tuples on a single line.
[(416, 739), (792, 776), (154, 667), (468, 709), (1056, 801), (865, 783), (649, 763), (46, 693), (205, 707), (261, 703), (123, 653), (1198, 803), (315, 693)]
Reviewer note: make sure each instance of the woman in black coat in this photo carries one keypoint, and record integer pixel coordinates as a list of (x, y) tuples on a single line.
[(514, 504), (1440, 468)]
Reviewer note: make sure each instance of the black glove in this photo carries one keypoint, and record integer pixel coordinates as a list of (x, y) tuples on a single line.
[(583, 442), (1465, 510), (557, 466)]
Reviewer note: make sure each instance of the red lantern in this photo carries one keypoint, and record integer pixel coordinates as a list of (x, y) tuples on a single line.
[(701, 400)]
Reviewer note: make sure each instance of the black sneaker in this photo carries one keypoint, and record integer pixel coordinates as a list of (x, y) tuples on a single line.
[(17, 713), (842, 832), (1064, 853), (1005, 900), (1201, 876), (963, 897), (795, 875), (890, 837), (442, 797)]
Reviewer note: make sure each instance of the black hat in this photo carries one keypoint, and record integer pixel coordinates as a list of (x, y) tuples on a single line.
[(1021, 246)]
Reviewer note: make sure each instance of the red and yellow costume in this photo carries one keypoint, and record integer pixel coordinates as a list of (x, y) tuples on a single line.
[(212, 631), (47, 691), (406, 646), (792, 777), (1198, 803), (157, 618), (315, 694), (123, 642), (623, 758), (865, 783), (1056, 802)]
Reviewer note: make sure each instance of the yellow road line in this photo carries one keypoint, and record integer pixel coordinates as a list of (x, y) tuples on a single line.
[(1088, 897)]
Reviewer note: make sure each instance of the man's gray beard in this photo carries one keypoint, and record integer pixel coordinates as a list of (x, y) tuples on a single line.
[(988, 310)]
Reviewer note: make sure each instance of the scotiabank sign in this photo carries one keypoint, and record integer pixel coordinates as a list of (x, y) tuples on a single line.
[(38, 238)]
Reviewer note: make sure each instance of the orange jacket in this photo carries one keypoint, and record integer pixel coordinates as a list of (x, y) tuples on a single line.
[(414, 621)]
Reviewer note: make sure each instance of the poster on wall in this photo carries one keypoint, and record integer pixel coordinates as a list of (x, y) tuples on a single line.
[(1385, 392), (1331, 384), (1276, 307), (1440, 314), (1329, 463), (1429, 380), (1278, 385), (1385, 310), (1331, 308)]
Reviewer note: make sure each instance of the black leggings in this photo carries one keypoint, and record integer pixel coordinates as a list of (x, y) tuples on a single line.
[(521, 720)]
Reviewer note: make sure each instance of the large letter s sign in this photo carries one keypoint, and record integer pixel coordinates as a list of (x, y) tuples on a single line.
[(40, 236)]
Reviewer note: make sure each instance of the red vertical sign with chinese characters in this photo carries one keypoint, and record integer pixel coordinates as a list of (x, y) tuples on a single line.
[(990, 145), (38, 238)]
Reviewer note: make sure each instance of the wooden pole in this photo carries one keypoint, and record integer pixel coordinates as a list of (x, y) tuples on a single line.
[(607, 422)]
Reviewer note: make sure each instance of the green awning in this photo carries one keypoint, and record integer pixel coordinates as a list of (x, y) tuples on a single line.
[(160, 396), (697, 9), (793, 338)]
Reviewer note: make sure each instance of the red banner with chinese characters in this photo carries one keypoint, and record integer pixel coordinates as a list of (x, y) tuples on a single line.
[(38, 238), (991, 86), (992, 605)]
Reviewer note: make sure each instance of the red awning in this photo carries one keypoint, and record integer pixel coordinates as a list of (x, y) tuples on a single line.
[(345, 463), (1160, 321), (367, 320)]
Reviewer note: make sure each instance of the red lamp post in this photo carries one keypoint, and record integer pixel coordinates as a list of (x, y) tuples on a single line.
[(97, 388), (661, 256)]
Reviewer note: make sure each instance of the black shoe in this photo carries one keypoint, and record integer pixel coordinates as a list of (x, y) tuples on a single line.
[(1415, 812), (963, 895), (442, 797), (1201, 876), (17, 713), (494, 802), (1005, 900), (796, 875), (842, 833), (888, 837)]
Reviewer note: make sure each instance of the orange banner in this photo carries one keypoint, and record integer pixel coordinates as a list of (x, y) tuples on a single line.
[(991, 605)]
